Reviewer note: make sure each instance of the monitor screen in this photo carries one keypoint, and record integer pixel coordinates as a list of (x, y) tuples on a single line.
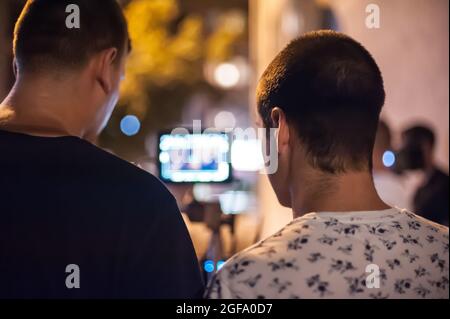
[(194, 158)]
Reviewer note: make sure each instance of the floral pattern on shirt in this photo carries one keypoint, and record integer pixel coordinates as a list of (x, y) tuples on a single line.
[(325, 255)]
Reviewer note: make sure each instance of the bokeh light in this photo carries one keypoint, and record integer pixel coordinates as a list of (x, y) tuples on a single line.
[(130, 125), (225, 120), (220, 264), (208, 266), (388, 159), (227, 75)]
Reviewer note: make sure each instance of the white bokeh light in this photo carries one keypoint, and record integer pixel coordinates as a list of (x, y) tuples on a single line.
[(246, 155), (224, 119), (227, 75)]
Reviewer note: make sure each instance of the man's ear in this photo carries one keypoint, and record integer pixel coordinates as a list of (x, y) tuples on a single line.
[(105, 68), (282, 128)]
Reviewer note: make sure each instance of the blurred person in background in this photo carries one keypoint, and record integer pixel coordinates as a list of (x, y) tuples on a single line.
[(77, 221), (323, 94), (431, 199), (390, 185)]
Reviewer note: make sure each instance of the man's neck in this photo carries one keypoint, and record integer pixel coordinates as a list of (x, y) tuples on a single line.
[(347, 192), (38, 108)]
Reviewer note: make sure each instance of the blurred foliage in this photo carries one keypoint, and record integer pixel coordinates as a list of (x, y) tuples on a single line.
[(230, 28), (158, 57), (166, 65)]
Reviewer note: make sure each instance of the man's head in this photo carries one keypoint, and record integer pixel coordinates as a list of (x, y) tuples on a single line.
[(418, 145), (383, 143), (324, 93), (91, 56)]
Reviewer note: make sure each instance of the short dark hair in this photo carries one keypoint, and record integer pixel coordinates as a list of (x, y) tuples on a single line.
[(42, 39), (420, 134), (331, 90)]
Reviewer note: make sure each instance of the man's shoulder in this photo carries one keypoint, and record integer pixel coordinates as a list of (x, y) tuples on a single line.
[(121, 168), (263, 262), (109, 169), (277, 248), (428, 225)]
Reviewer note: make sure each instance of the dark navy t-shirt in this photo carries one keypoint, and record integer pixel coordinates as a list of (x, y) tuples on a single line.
[(64, 202)]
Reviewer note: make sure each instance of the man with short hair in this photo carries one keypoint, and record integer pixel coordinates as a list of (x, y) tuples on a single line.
[(76, 221), (431, 197), (323, 93)]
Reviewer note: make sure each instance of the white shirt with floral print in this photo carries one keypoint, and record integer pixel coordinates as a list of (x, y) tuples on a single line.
[(375, 254)]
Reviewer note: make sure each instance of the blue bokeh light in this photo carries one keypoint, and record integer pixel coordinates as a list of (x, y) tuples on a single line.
[(220, 264), (208, 266), (388, 159), (130, 125)]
